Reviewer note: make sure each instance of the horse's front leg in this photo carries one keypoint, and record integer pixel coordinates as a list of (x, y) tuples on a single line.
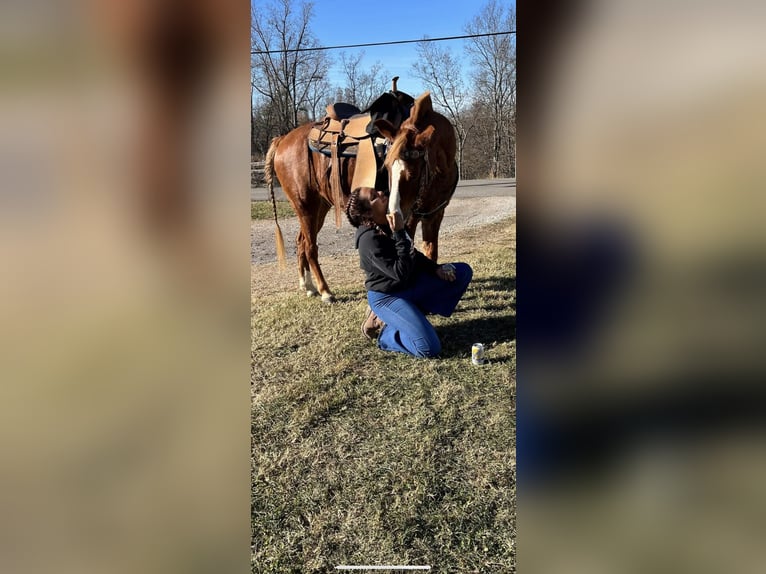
[(411, 226), (430, 230)]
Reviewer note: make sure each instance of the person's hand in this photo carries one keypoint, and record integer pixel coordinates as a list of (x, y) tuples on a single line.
[(446, 272), (395, 220)]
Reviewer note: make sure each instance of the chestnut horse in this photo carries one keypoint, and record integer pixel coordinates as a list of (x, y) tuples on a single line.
[(421, 173)]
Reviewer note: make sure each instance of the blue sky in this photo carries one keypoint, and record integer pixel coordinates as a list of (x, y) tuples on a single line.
[(391, 20)]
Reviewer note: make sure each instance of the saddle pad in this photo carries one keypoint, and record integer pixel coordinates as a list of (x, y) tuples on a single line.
[(366, 165)]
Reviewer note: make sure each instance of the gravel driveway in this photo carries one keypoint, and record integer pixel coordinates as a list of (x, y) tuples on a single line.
[(461, 213)]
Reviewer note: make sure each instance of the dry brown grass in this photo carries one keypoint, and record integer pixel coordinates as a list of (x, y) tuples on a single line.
[(364, 457)]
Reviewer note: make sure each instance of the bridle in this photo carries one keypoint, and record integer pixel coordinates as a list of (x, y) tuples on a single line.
[(425, 179), (425, 173)]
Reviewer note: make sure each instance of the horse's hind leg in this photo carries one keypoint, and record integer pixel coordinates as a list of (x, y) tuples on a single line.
[(304, 273), (313, 253), (322, 286)]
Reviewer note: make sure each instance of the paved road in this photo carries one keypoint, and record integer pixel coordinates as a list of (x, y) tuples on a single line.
[(467, 188)]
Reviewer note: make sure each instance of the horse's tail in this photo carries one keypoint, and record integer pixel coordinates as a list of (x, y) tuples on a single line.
[(268, 171)]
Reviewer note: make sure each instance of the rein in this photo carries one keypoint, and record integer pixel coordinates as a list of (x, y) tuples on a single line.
[(430, 213)]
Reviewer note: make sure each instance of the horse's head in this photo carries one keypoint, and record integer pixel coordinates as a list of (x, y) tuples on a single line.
[(420, 150)]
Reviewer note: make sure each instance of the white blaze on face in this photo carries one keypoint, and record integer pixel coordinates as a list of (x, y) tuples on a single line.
[(394, 201)]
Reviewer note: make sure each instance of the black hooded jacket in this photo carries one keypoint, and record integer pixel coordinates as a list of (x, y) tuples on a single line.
[(390, 263)]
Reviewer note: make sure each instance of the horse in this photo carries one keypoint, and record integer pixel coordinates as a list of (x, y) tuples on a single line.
[(419, 171), (422, 171)]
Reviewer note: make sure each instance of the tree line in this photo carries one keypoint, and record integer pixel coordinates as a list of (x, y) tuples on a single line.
[(289, 83)]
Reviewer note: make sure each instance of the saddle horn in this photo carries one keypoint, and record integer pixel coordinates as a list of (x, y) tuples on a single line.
[(393, 83)]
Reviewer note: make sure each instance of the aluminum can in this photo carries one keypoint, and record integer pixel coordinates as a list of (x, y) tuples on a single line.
[(477, 354)]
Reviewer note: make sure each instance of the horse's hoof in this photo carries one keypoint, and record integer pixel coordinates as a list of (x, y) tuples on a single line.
[(311, 293), (328, 298)]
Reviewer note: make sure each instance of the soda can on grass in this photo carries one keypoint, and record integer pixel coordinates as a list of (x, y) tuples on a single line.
[(477, 354)]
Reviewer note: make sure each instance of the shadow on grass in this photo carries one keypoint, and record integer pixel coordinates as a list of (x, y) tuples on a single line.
[(493, 283), (458, 336), (497, 323), (479, 299), (349, 297)]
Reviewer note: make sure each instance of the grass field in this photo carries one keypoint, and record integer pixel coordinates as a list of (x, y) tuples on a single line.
[(361, 457), (264, 210)]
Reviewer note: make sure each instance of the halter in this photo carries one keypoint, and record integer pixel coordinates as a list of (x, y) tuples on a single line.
[(425, 178)]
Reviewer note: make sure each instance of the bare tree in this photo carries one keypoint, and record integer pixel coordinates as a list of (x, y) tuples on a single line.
[(351, 71), (252, 116), (477, 156), (441, 72), (374, 82), (494, 79), (362, 87), (281, 75), (265, 126), (317, 98)]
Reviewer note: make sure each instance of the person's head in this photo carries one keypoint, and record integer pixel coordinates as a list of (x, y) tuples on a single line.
[(367, 206)]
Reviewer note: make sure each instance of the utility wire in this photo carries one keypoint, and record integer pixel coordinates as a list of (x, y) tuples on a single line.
[(254, 52)]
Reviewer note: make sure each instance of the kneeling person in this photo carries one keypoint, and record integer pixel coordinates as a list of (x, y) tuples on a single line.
[(402, 284)]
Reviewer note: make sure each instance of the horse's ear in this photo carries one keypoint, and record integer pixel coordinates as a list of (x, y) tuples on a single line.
[(438, 161), (424, 137), (386, 129), (422, 107)]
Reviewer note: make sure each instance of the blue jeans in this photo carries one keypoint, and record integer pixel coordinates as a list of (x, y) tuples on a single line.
[(407, 330)]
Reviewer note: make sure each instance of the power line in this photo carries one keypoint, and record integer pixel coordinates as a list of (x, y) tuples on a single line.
[(253, 52)]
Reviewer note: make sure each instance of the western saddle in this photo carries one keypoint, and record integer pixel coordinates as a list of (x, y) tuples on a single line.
[(347, 131)]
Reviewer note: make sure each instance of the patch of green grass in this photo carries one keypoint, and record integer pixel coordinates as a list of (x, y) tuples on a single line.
[(366, 457), (264, 210)]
